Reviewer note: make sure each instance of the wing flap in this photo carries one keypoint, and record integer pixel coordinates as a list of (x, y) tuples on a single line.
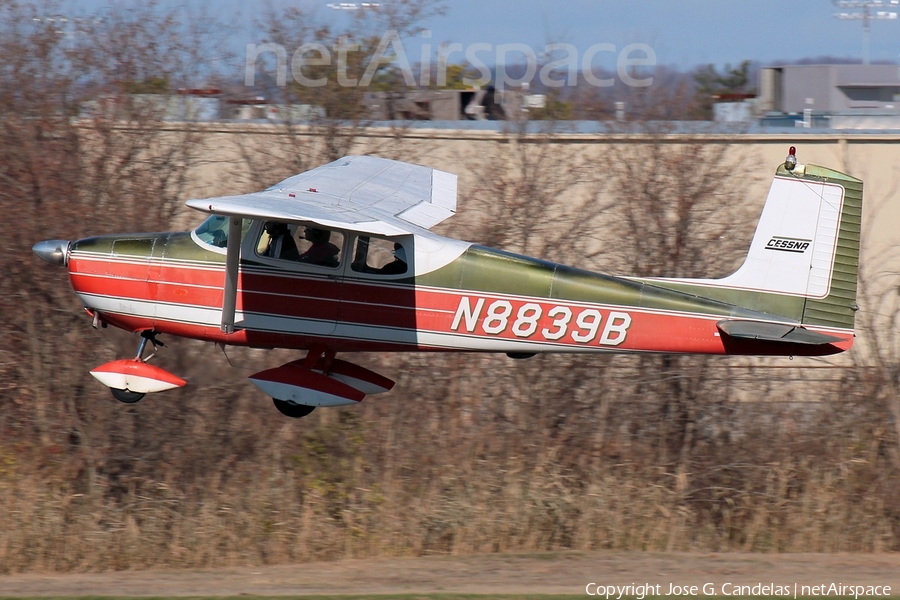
[(775, 332), (423, 215), (443, 190)]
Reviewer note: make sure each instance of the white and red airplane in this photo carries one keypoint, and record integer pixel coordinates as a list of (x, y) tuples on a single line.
[(341, 259)]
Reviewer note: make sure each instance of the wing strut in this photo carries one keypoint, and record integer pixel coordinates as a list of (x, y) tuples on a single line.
[(232, 259)]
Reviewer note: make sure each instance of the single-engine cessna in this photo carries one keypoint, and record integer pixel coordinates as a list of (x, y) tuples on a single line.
[(341, 259)]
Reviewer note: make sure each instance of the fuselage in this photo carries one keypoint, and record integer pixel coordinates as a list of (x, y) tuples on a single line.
[(455, 297)]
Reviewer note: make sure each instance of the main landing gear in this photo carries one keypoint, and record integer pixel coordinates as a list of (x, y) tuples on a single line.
[(302, 368), (320, 379), (289, 409)]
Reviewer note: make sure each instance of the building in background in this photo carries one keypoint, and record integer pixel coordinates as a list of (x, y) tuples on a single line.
[(835, 96), (451, 105)]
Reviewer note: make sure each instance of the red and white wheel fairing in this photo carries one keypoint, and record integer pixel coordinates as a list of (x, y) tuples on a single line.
[(136, 376), (360, 378), (295, 383)]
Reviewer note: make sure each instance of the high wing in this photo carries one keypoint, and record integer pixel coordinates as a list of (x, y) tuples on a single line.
[(359, 193)]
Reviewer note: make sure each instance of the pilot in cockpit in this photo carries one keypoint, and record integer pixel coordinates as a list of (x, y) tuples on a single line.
[(281, 242)]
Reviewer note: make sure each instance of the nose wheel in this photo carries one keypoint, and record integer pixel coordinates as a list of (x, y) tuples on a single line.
[(128, 396)]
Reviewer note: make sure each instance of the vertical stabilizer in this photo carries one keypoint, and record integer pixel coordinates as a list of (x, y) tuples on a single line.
[(803, 260)]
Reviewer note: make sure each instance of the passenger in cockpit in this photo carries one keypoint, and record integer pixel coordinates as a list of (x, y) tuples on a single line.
[(322, 252), (398, 265)]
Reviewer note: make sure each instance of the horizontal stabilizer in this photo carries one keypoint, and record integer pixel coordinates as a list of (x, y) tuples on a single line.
[(775, 332)]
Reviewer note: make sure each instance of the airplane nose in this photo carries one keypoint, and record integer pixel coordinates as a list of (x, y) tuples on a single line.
[(55, 252)]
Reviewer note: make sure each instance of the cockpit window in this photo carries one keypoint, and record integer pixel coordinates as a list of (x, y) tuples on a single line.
[(214, 231)]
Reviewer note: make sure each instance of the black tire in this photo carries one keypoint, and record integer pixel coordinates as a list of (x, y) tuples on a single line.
[(126, 396), (294, 411)]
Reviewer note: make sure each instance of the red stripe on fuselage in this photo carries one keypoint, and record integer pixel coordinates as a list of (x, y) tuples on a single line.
[(400, 307)]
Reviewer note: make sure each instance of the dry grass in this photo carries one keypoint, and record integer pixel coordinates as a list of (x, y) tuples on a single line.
[(445, 474)]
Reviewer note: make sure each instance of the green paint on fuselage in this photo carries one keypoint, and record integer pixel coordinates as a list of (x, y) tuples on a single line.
[(161, 246), (487, 270)]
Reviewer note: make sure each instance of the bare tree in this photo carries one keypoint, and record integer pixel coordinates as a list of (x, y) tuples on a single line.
[(323, 122)]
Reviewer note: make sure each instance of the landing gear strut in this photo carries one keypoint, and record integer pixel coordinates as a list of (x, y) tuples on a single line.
[(127, 396)]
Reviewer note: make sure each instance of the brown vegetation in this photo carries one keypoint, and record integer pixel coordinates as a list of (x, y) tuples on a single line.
[(470, 453)]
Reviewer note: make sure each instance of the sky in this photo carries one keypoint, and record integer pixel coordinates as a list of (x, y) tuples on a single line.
[(683, 33)]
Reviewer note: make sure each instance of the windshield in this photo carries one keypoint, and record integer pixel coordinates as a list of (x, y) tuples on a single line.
[(214, 231)]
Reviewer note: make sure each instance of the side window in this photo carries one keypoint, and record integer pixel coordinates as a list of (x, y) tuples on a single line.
[(378, 255), (311, 245)]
